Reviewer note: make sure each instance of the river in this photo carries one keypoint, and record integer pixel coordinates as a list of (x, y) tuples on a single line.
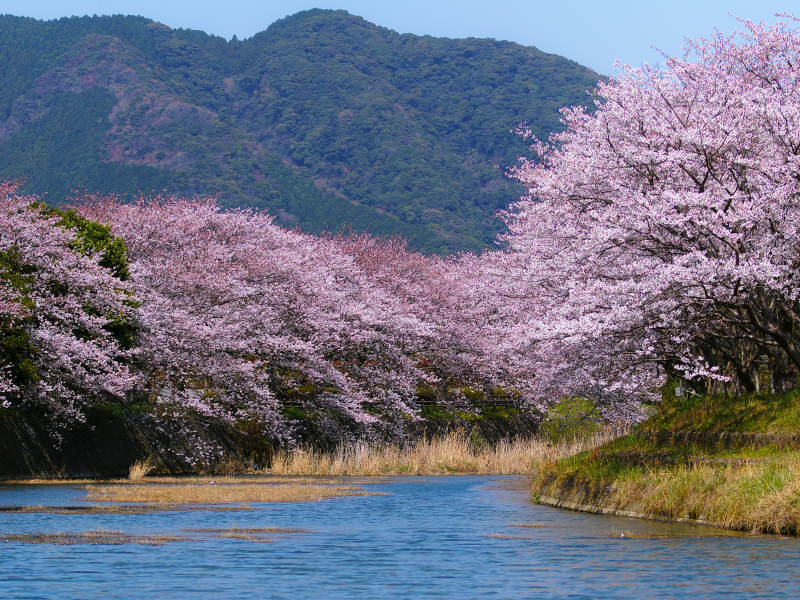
[(428, 537)]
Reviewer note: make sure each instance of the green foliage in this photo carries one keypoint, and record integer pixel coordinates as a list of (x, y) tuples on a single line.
[(324, 119), (774, 413), (294, 413), (477, 443), (438, 413), (18, 354), (94, 238), (571, 419), (499, 412)]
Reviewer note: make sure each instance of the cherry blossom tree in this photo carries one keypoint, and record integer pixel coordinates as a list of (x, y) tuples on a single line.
[(237, 313), (660, 232), (61, 312), (449, 297)]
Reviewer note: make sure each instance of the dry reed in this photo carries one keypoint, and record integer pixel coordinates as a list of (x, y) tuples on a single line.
[(449, 454), (218, 494), (141, 468), (755, 496)]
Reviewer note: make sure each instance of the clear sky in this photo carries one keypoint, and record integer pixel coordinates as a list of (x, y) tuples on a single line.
[(592, 32)]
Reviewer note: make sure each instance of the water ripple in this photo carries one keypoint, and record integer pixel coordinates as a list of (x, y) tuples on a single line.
[(433, 537)]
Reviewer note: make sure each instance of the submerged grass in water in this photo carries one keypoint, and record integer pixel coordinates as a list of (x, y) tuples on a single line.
[(219, 494), (116, 538), (115, 509), (98, 536)]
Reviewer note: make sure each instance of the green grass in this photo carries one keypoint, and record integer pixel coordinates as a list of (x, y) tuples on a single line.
[(752, 413), (753, 489)]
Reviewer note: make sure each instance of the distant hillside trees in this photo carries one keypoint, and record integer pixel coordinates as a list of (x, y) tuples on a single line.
[(325, 120)]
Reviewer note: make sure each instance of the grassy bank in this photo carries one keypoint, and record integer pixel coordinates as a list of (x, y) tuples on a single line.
[(454, 453), (750, 486)]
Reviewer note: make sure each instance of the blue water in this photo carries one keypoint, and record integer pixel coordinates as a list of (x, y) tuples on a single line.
[(429, 538)]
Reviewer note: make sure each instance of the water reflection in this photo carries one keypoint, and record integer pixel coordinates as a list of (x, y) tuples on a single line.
[(432, 537)]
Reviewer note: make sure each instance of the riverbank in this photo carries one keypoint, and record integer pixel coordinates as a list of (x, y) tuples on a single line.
[(452, 453), (731, 463), (109, 442), (112, 440)]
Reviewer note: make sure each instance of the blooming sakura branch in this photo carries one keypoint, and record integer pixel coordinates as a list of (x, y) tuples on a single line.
[(660, 233)]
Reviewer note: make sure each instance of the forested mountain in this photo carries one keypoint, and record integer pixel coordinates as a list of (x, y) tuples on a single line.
[(324, 119)]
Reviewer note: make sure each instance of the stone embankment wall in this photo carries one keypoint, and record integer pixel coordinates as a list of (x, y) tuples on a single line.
[(106, 446), (583, 496)]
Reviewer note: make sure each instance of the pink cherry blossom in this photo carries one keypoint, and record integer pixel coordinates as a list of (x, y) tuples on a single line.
[(64, 300), (659, 233)]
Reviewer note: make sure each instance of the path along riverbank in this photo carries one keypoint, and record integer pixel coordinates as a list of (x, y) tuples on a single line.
[(728, 462)]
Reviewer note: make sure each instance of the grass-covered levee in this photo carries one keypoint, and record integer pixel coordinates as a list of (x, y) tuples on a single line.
[(728, 461)]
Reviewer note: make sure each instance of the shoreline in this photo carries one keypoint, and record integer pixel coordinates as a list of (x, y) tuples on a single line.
[(729, 462), (750, 488), (604, 510)]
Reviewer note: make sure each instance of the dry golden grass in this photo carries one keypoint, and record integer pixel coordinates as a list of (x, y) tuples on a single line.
[(182, 479), (755, 496), (262, 478), (450, 454), (57, 480), (218, 494), (141, 468)]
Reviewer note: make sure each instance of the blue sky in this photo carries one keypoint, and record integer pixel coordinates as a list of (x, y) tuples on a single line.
[(591, 32)]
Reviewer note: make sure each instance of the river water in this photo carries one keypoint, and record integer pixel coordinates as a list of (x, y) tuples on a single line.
[(429, 537)]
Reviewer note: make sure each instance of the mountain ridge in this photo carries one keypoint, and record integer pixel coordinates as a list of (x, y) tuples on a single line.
[(324, 119)]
